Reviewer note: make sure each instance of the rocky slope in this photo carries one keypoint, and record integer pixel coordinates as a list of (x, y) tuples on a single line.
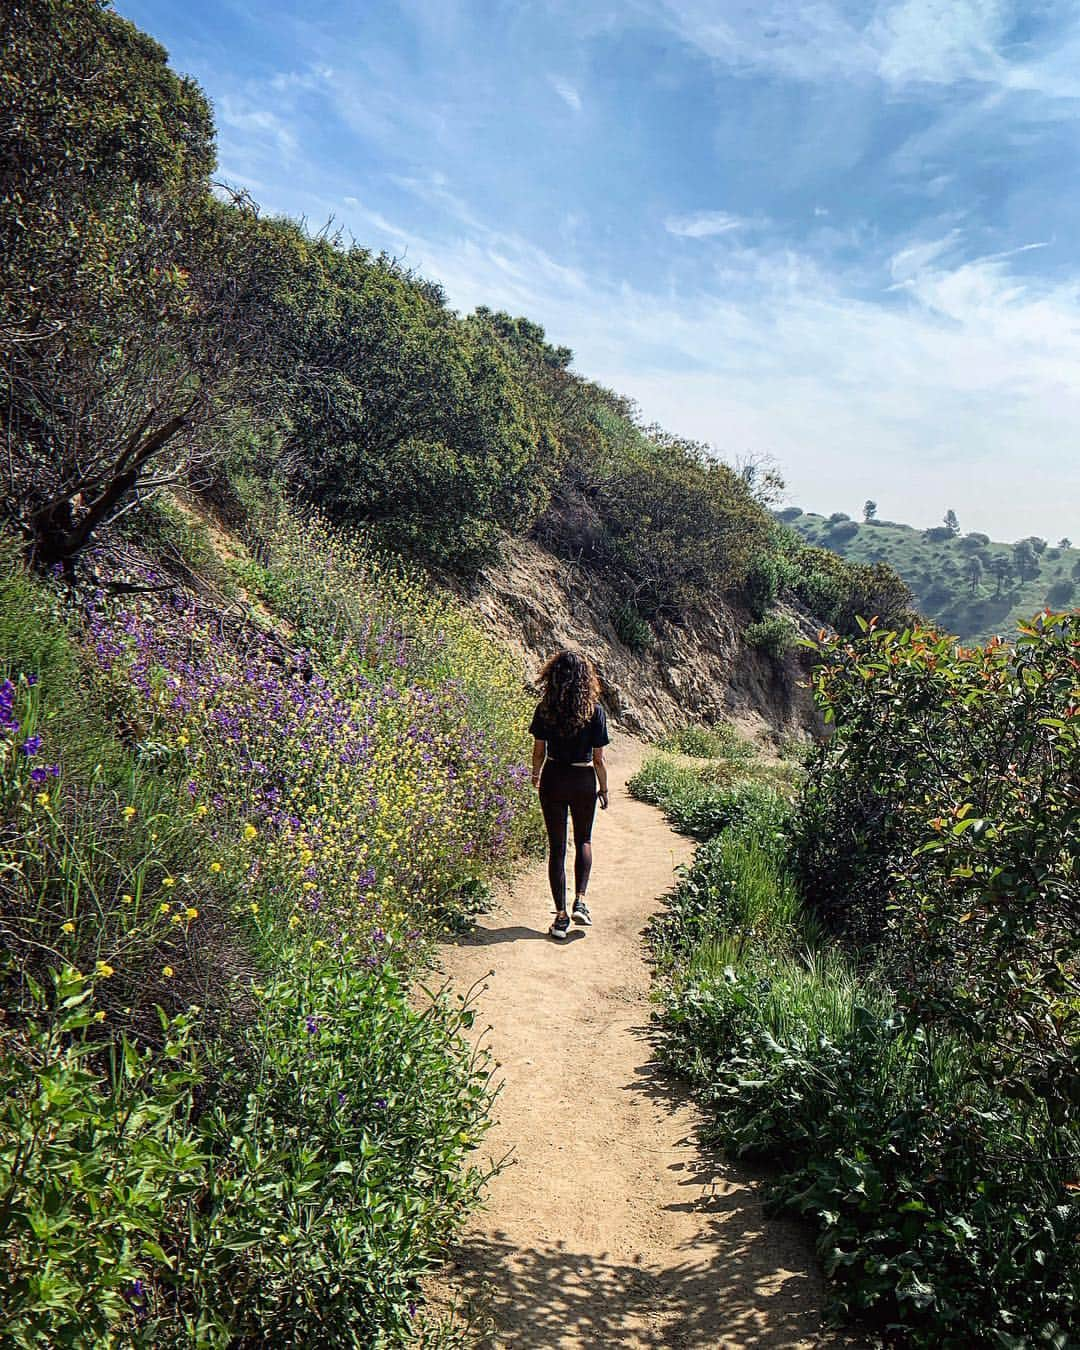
[(697, 671)]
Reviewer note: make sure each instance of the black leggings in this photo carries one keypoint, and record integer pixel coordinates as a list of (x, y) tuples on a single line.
[(563, 786)]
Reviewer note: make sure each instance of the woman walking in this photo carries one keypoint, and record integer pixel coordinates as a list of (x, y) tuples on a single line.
[(570, 731)]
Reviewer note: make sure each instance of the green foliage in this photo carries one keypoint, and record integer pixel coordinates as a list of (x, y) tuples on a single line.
[(774, 635), (993, 602), (699, 806), (419, 423), (945, 1209), (719, 741), (677, 525), (631, 628), (173, 1174), (111, 307), (939, 822), (329, 1157)]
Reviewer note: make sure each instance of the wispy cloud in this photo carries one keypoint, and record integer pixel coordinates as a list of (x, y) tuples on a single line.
[(260, 124), (947, 398), (703, 224), (899, 42), (566, 92)]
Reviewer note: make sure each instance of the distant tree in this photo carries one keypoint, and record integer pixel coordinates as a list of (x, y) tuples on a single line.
[(1060, 593), (1026, 560), (951, 522), (838, 517), (1002, 569), (1075, 573), (974, 573), (973, 541), (869, 510), (1063, 542), (790, 513), (1037, 544), (938, 534)]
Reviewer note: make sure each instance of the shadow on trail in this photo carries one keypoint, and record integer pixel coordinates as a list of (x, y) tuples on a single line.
[(550, 1295), (491, 937)]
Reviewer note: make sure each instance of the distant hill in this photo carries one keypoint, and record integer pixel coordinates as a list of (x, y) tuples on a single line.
[(966, 597)]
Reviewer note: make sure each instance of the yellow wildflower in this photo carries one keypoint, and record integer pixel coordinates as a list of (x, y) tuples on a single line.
[(168, 882), (128, 899), (68, 927), (192, 913), (250, 831), (165, 907), (128, 812), (167, 971), (104, 969), (99, 1017), (42, 799), (215, 867)]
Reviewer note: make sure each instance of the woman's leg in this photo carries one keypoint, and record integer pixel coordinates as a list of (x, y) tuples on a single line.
[(555, 821), (583, 811)]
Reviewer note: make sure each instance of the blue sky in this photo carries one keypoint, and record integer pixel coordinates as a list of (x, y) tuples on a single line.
[(840, 232)]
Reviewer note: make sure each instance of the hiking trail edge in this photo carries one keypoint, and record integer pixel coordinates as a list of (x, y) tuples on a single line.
[(613, 1226)]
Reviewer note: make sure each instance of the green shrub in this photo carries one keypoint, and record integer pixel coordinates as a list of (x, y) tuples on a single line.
[(185, 1198), (719, 741), (631, 628), (774, 635), (943, 1208), (699, 807)]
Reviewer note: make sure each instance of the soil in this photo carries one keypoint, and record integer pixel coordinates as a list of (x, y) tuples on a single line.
[(613, 1225)]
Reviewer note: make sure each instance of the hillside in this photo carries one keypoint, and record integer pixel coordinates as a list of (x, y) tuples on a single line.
[(968, 584)]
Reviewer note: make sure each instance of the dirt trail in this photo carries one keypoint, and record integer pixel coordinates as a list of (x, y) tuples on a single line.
[(613, 1227)]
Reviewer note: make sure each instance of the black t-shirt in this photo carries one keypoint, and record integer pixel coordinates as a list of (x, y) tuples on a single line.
[(575, 748)]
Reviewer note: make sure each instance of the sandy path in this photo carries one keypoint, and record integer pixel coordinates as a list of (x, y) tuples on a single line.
[(612, 1227)]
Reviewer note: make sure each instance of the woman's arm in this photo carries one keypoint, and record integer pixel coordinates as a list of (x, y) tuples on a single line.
[(601, 774), (539, 751)]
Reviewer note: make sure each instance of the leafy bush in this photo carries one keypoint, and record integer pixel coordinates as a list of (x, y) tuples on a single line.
[(719, 741), (774, 635), (631, 628), (328, 1157), (882, 1132), (844, 529), (923, 1123), (938, 823), (699, 807)]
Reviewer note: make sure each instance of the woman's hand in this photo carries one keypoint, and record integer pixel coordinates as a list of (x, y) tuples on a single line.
[(603, 797)]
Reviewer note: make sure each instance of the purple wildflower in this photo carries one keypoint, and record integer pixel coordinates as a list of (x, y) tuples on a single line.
[(31, 746)]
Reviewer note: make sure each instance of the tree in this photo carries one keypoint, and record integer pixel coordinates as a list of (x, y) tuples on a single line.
[(1003, 570), (951, 522), (1064, 542), (1026, 560), (421, 423), (973, 572), (869, 510), (110, 306)]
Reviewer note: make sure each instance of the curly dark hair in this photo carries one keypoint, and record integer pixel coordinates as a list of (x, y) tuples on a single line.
[(569, 688)]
